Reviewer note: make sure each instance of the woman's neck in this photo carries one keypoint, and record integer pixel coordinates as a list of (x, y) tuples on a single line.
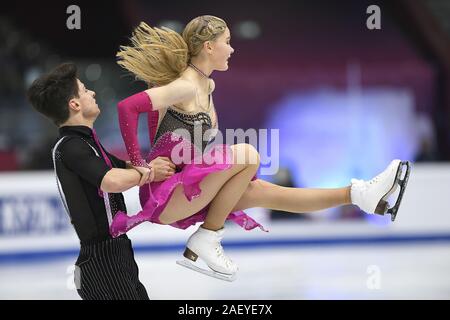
[(196, 77), (201, 66)]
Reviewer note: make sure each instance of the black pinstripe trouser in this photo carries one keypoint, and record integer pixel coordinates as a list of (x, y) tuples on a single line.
[(107, 271)]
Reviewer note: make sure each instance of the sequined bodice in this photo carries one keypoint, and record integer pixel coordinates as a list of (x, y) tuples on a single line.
[(174, 120)]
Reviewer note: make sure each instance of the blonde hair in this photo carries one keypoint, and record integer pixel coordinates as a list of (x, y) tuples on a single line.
[(159, 55)]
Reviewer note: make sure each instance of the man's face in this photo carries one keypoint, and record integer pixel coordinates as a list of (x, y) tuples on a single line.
[(86, 100)]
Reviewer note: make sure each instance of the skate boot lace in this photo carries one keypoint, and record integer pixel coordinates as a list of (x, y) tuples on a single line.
[(221, 255), (374, 180), (363, 184)]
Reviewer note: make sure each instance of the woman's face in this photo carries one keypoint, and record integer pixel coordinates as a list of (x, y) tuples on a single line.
[(221, 51)]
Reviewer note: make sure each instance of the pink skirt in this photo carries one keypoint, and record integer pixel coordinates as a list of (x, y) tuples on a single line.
[(155, 196)]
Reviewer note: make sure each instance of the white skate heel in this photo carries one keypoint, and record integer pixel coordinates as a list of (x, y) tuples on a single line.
[(206, 245), (372, 196)]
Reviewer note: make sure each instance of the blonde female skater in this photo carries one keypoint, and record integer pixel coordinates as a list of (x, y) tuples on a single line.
[(178, 69)]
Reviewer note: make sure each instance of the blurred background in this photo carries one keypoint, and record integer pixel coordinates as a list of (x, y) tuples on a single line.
[(345, 98)]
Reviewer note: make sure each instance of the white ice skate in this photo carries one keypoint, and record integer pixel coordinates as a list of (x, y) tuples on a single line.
[(372, 196), (205, 244)]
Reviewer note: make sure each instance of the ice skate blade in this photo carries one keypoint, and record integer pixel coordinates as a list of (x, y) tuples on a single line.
[(211, 273), (402, 183), (383, 205)]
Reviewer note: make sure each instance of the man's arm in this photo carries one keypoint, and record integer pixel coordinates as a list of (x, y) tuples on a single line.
[(78, 156), (118, 162), (119, 180), (128, 165)]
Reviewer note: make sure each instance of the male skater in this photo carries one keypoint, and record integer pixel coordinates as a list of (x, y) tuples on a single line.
[(90, 181)]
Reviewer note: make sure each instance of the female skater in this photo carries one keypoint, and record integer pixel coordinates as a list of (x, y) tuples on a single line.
[(177, 70)]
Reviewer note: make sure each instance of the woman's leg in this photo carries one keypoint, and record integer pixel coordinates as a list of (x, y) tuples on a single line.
[(179, 207), (230, 193), (264, 194)]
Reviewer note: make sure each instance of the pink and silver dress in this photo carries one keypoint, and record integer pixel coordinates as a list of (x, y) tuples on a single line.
[(155, 196)]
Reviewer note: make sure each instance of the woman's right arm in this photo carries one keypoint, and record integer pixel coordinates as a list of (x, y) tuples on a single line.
[(177, 91), (149, 100)]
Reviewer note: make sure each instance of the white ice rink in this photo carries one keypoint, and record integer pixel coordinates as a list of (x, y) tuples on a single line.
[(411, 271), (406, 272), (308, 259)]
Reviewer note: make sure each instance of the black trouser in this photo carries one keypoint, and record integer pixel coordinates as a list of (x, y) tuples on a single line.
[(107, 271)]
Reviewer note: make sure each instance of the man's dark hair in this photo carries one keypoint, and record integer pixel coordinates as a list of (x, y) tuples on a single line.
[(51, 92)]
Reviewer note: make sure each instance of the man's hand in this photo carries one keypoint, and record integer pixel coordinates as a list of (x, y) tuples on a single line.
[(163, 168), (147, 175)]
